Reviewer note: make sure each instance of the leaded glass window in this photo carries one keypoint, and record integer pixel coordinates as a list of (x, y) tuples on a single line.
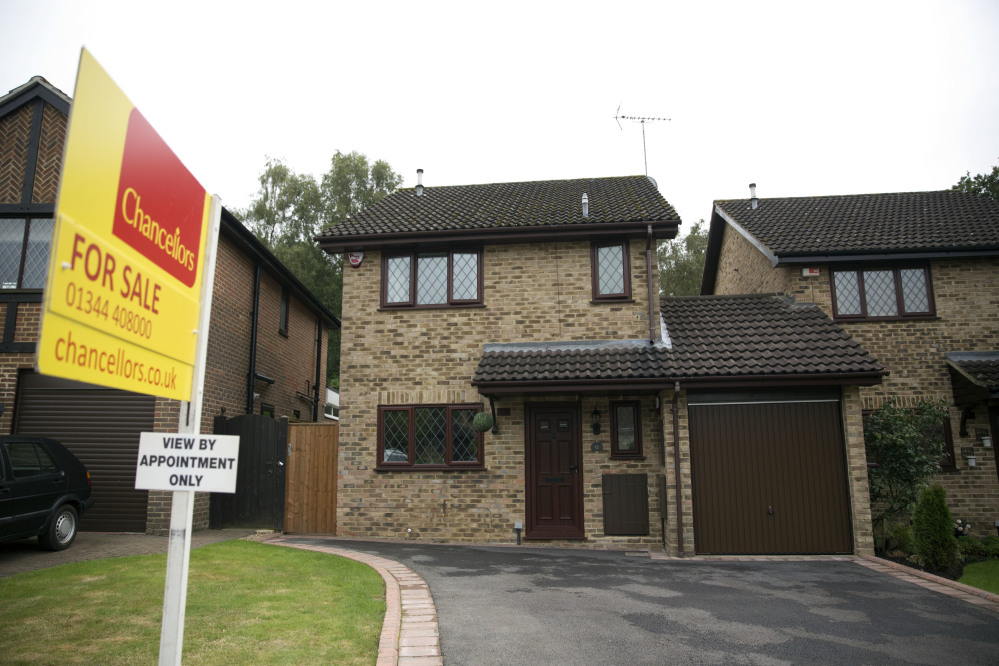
[(432, 279), (610, 271), (626, 429), (882, 293), (432, 436), (24, 252)]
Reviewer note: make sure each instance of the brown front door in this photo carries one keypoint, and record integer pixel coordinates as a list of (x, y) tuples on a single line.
[(554, 474)]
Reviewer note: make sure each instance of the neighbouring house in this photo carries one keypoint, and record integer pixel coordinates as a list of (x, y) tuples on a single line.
[(266, 353), (911, 276), (708, 425), (332, 407)]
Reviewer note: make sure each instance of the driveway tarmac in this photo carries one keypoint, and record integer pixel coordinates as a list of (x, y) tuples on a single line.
[(502, 605)]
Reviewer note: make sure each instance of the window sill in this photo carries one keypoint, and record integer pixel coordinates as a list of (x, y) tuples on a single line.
[(878, 320), (443, 306), (430, 468), (611, 301), (627, 457)]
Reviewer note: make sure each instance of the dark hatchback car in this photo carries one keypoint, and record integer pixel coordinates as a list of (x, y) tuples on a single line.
[(44, 489)]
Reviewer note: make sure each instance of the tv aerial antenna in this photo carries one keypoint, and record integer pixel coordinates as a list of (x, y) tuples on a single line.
[(638, 119)]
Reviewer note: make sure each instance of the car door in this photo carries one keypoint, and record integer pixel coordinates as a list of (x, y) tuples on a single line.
[(6, 493), (36, 483)]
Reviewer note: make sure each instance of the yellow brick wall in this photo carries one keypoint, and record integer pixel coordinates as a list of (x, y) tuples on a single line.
[(532, 293)]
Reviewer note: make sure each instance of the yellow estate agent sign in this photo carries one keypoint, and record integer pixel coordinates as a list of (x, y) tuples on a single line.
[(122, 298)]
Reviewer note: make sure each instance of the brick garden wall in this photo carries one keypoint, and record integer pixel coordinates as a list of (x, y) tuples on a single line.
[(532, 293)]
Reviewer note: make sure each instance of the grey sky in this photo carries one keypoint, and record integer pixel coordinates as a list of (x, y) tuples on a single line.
[(801, 98)]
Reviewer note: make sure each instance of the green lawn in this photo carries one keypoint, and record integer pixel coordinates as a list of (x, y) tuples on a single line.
[(983, 575), (247, 602)]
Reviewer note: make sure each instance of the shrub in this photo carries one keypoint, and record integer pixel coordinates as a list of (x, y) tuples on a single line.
[(991, 544), (971, 549), (899, 539), (904, 450), (933, 530)]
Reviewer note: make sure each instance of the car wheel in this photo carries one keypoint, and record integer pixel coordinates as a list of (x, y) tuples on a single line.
[(62, 529)]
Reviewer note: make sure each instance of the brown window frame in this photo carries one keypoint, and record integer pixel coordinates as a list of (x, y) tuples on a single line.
[(616, 452), (410, 464), (595, 248), (896, 270), (413, 267)]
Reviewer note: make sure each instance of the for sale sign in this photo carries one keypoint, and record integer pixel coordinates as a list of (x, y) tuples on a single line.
[(123, 293)]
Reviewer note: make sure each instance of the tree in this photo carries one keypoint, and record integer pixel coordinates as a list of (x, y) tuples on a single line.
[(987, 185), (933, 530), (291, 209), (681, 262), (904, 450)]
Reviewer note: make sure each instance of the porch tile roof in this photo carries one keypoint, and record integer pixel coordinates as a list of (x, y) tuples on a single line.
[(716, 337), (944, 220), (980, 368), (510, 205)]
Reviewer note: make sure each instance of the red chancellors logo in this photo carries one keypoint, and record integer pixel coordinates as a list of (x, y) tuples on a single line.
[(160, 205)]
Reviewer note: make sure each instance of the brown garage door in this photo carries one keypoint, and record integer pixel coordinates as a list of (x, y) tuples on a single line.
[(101, 426), (769, 477)]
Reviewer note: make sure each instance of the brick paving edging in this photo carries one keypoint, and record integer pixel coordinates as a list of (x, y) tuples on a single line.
[(952, 588), (410, 634)]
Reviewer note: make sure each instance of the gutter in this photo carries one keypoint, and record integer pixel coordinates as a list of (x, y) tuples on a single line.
[(523, 234)]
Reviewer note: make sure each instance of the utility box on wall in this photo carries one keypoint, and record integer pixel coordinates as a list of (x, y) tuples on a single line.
[(626, 504)]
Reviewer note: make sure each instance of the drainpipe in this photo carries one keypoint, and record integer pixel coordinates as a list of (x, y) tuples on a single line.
[(253, 341), (319, 360), (676, 466), (648, 269)]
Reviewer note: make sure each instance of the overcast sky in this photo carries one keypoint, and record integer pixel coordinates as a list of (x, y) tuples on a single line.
[(802, 98)]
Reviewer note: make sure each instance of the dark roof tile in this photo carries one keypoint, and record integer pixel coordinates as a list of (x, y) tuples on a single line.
[(711, 337), (510, 205), (946, 220)]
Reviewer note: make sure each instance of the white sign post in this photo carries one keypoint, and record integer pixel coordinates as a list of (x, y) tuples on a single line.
[(182, 506)]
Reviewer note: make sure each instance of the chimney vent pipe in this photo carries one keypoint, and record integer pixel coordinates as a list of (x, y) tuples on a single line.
[(586, 205), (419, 182), (753, 201)]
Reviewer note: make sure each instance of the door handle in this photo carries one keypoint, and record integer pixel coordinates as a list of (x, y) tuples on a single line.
[(574, 468)]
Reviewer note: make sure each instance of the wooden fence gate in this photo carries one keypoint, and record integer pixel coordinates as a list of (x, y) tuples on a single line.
[(310, 496), (260, 474)]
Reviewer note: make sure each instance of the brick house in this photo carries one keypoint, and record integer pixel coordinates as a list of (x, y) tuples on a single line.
[(616, 419), (266, 353), (914, 278)]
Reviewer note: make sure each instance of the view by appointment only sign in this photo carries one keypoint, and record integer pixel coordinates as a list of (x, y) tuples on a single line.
[(122, 300)]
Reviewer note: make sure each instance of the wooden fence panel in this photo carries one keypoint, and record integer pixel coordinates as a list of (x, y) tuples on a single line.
[(310, 493)]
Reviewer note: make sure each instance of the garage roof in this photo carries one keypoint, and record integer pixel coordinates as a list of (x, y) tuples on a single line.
[(722, 341)]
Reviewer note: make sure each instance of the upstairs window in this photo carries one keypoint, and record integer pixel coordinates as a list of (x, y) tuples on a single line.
[(24, 252), (432, 279), (882, 293), (283, 323), (611, 271)]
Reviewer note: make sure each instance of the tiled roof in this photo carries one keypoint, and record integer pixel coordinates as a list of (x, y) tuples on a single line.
[(510, 205), (572, 361), (760, 334), (870, 223), (713, 338), (981, 368)]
